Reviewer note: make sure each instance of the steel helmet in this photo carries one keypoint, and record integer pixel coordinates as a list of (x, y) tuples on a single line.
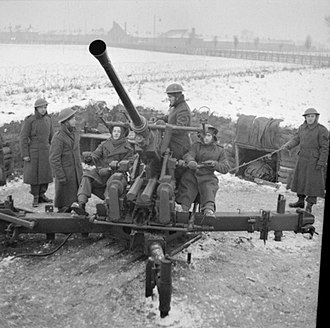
[(40, 102), (174, 88), (65, 114), (311, 111), (209, 129)]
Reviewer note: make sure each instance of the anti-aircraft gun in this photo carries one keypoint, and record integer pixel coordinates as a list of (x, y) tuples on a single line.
[(148, 205), (140, 204)]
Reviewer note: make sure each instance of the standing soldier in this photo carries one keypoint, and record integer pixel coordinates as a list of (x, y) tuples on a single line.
[(35, 137), (65, 161), (313, 140), (179, 114)]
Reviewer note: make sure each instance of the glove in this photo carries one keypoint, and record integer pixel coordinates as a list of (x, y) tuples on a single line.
[(152, 120), (222, 168), (192, 165), (318, 167), (113, 165), (163, 118), (87, 155), (181, 163), (104, 172)]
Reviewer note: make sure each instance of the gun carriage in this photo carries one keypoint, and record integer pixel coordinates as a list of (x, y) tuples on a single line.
[(140, 209)]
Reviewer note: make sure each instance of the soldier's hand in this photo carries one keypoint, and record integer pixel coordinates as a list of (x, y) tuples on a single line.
[(113, 165), (26, 159), (87, 155), (104, 172), (181, 163), (152, 120), (192, 165)]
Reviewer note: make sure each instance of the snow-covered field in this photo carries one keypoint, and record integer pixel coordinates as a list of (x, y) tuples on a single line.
[(69, 75)]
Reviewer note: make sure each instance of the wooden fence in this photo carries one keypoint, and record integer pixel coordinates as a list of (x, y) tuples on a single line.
[(316, 59)]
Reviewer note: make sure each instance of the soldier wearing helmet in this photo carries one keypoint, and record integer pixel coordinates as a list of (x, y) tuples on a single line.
[(114, 149), (35, 137), (205, 157), (65, 160), (179, 114), (308, 180)]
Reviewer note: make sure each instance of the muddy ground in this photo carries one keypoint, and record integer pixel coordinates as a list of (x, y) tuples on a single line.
[(234, 280)]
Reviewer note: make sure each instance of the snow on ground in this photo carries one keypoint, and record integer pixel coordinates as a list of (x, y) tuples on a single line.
[(68, 75)]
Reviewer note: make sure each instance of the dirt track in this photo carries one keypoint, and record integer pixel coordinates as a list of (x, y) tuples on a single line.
[(234, 279)]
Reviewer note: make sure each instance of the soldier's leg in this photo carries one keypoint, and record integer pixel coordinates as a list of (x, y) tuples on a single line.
[(310, 200), (34, 190), (187, 190), (84, 190), (42, 197), (207, 191)]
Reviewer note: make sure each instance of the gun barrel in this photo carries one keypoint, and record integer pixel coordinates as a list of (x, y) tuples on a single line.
[(98, 49)]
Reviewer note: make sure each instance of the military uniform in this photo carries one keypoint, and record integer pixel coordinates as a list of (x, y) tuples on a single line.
[(308, 180), (202, 181), (66, 165), (94, 181), (35, 138), (179, 114)]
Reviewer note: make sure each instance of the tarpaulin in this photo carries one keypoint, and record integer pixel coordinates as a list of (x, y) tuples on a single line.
[(257, 132)]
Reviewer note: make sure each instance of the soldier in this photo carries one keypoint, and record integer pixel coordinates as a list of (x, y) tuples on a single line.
[(116, 148), (35, 137), (205, 157), (313, 140), (65, 161), (179, 114)]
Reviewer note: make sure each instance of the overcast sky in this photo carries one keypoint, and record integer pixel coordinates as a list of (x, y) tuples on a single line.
[(279, 19)]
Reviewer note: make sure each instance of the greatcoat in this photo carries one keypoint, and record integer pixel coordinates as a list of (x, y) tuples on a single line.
[(179, 114), (202, 181), (35, 138), (313, 141), (66, 164), (106, 152)]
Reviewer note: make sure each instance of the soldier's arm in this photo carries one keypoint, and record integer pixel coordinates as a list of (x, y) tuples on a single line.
[(24, 138)]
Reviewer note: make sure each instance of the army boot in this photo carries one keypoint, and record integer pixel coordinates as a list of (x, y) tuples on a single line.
[(299, 204), (35, 202), (209, 212), (44, 199), (79, 208)]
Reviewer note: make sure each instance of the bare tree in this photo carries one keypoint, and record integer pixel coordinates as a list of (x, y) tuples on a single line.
[(308, 42), (327, 20), (235, 41), (256, 42), (215, 41)]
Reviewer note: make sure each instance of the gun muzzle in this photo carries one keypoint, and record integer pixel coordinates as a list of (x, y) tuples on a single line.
[(98, 49)]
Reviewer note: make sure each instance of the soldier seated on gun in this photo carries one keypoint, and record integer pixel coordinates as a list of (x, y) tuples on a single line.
[(205, 157), (116, 148)]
